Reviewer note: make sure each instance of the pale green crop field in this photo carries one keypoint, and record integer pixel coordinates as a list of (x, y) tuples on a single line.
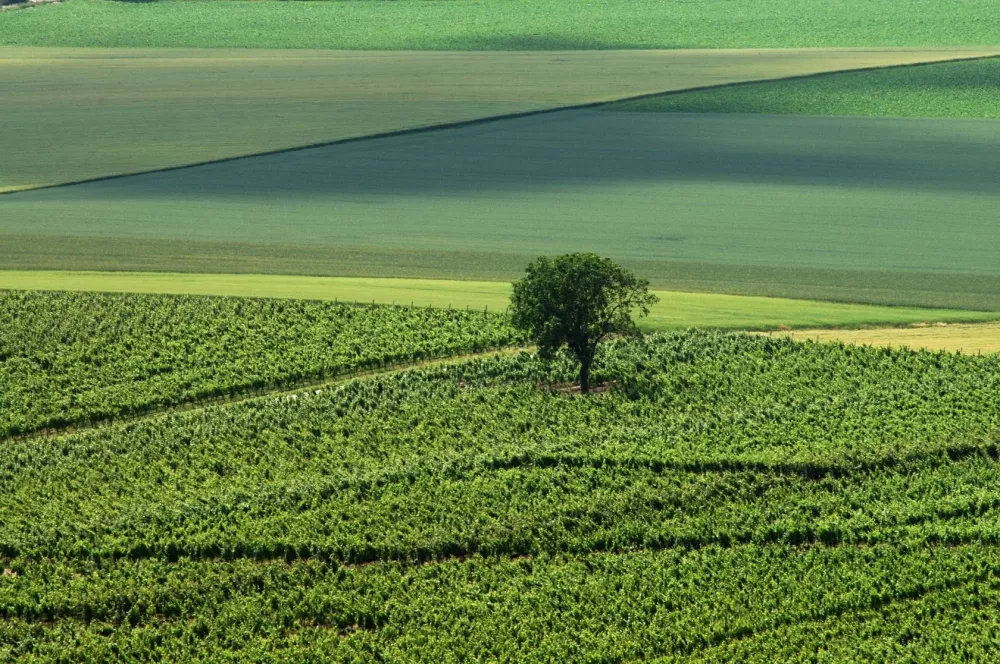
[(494, 25), (72, 114), (952, 90), (878, 210), (675, 309)]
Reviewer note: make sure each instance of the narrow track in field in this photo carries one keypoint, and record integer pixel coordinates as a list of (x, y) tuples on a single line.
[(287, 389)]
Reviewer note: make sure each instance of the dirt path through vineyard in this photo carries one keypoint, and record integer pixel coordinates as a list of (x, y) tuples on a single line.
[(289, 390)]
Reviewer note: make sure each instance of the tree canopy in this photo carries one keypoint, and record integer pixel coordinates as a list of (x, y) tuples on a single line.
[(576, 301)]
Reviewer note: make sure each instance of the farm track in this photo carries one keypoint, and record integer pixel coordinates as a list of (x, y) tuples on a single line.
[(287, 389)]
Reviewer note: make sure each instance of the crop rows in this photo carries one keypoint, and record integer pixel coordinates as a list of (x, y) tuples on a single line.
[(754, 602), (67, 358), (730, 497)]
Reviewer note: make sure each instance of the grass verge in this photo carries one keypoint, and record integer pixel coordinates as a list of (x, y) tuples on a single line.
[(675, 310)]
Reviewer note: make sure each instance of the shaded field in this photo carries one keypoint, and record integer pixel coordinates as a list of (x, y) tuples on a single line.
[(491, 26), (730, 498), (786, 205), (978, 338), (675, 309), (72, 114), (954, 90)]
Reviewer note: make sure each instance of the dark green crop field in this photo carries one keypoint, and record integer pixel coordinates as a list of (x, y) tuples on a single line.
[(70, 358), (729, 497), (951, 90), (505, 24)]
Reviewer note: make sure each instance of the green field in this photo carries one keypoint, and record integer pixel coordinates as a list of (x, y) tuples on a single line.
[(261, 399), (953, 90), (493, 25), (730, 498), (143, 109), (802, 206), (675, 309)]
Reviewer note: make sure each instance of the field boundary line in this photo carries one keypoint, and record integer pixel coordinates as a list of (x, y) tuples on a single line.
[(288, 389), (424, 129)]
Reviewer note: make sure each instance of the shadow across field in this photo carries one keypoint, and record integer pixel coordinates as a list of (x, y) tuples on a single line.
[(590, 148)]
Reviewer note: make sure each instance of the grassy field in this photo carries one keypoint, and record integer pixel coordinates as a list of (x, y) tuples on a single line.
[(675, 310), (970, 339), (795, 201), (954, 90), (505, 25), (153, 108)]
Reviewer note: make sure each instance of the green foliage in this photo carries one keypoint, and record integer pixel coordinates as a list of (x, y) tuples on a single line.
[(491, 25), (68, 358), (733, 498), (745, 603), (577, 301), (952, 90)]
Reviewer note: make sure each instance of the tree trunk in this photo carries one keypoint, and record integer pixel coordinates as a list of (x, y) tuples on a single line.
[(585, 375)]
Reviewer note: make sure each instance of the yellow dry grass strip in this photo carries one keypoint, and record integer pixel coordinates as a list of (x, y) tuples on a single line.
[(72, 114), (968, 338)]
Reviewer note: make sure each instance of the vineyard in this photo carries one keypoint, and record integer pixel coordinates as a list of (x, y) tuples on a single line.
[(71, 358), (729, 497)]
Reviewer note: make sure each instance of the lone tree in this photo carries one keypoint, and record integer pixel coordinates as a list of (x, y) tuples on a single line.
[(577, 300)]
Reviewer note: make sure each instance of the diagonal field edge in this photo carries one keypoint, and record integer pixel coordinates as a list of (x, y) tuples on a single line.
[(486, 120)]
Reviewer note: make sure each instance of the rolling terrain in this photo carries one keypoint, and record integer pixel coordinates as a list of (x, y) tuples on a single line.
[(777, 197), (730, 497), (74, 114), (261, 398), (817, 210)]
